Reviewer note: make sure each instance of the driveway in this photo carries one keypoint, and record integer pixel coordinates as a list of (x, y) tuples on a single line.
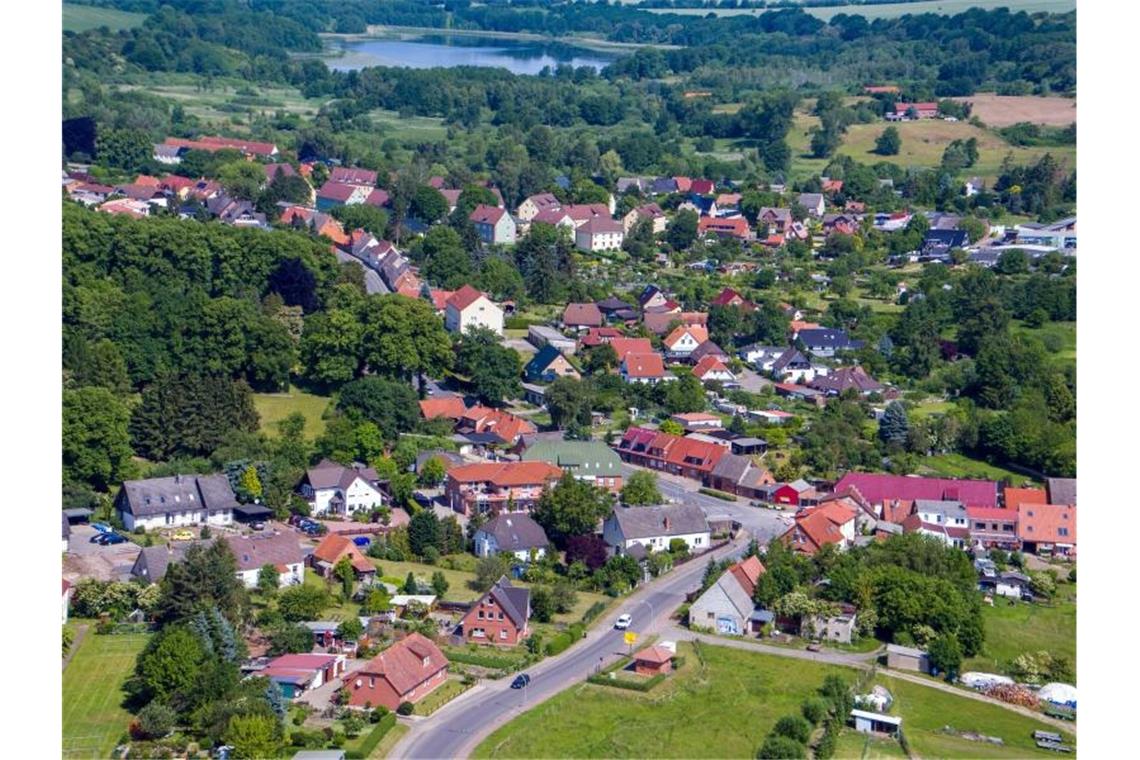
[(321, 697), (751, 381), (87, 560)]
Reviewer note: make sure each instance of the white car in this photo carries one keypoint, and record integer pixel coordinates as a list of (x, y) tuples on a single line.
[(623, 622)]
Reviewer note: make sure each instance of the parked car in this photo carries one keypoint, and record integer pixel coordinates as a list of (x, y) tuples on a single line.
[(813, 647), (257, 526), (521, 681), (422, 499), (102, 527), (108, 539), (623, 622), (183, 535)]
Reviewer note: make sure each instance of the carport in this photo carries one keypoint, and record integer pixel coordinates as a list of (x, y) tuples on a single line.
[(248, 513)]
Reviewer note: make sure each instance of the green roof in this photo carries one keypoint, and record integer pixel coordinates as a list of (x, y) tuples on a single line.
[(587, 456)]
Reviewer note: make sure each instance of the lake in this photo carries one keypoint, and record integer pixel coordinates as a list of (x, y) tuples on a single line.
[(447, 51)]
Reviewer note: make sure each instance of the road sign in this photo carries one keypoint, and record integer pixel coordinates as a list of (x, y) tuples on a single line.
[(630, 637)]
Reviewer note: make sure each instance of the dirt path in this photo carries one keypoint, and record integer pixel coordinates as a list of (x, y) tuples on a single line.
[(80, 632)]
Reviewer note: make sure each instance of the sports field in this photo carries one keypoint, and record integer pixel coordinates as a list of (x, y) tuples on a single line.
[(93, 716)]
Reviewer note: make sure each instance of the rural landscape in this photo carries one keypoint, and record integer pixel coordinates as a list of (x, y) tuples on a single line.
[(569, 379)]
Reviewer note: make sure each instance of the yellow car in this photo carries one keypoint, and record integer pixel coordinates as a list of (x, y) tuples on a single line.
[(183, 535)]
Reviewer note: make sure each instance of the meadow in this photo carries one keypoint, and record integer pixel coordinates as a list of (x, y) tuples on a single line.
[(274, 407), (80, 18)]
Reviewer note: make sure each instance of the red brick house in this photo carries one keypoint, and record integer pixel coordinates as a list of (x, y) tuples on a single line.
[(499, 617), (489, 487), (654, 660), (407, 671)]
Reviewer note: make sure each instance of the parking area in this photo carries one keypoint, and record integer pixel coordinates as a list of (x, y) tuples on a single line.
[(87, 560)]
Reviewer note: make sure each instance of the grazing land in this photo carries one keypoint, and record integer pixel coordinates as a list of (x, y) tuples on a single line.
[(93, 716), (1005, 110), (853, 745), (722, 707), (926, 712), (1014, 628), (274, 407), (80, 18)]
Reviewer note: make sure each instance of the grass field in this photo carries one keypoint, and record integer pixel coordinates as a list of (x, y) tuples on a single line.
[(723, 708), (93, 718), (853, 745), (441, 696), (80, 18), (1014, 629), (274, 407), (1005, 110), (961, 466), (926, 711), (1061, 336), (893, 10)]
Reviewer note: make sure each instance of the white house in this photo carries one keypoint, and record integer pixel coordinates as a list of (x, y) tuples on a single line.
[(332, 487), (945, 520), (532, 206), (514, 533), (176, 501), (494, 225), (654, 527), (727, 605), (684, 340), (282, 551), (599, 234), (467, 308)]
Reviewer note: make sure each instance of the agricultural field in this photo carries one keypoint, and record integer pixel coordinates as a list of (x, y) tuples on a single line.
[(927, 711), (80, 18), (93, 715), (893, 10), (721, 707), (1014, 628), (1005, 110), (274, 407)]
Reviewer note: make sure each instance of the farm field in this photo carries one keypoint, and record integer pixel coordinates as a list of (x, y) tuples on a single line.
[(93, 716), (723, 707), (1004, 110), (926, 712), (80, 18), (274, 407), (893, 10), (1017, 628)]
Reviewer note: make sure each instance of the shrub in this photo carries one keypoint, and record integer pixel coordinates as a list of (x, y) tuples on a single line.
[(814, 709), (597, 608), (156, 720), (781, 748), (405, 708), (1073, 575), (793, 727), (717, 494)]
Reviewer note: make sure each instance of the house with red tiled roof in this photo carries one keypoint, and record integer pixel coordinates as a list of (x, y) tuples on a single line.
[(469, 308), (353, 176), (733, 227), (623, 347), (880, 487), (581, 213), (712, 368), (994, 527), (644, 368), (333, 194), (684, 340), (332, 549), (1013, 498), (670, 453), (596, 336), (659, 323), (1047, 529), (816, 527), (448, 407), (905, 111), (503, 426), (727, 607), (500, 617), (493, 487), (493, 225), (729, 297), (555, 217), (213, 144), (407, 671)]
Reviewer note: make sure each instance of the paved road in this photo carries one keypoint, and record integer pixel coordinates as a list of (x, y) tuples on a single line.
[(372, 281), (457, 728)]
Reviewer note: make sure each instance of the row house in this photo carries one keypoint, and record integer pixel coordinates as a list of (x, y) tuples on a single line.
[(493, 487), (669, 453)]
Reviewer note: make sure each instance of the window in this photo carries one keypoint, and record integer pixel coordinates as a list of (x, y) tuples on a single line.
[(480, 614), (502, 634), (371, 682), (1062, 531)]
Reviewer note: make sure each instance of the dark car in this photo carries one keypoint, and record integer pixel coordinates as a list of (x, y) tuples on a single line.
[(362, 540), (521, 681), (108, 539), (814, 648)]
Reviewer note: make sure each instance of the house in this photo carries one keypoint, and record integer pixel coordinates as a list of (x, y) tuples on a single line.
[(498, 486), (727, 605), (993, 527), (1048, 529), (1060, 235), (702, 187), (729, 297), (1012, 498), (684, 340), (730, 227), (711, 368), (651, 297), (531, 207), (543, 335), (175, 501), (300, 673), (877, 488), (278, 550), (708, 349), (945, 520), (623, 347), (728, 204), (1061, 491), (549, 364), (582, 315), (659, 323), (813, 202), (511, 533), (655, 527), (467, 308), (352, 176), (333, 194), (152, 562), (614, 309), (600, 233), (839, 629), (335, 547), (332, 487), (693, 422), (126, 206), (555, 217), (500, 617), (938, 243), (652, 661), (1011, 585), (846, 378), (407, 671), (759, 356), (827, 342), (645, 368), (590, 461), (211, 144), (792, 366), (907, 658), (674, 454), (816, 527), (448, 407), (649, 212), (496, 425), (493, 225), (738, 474), (908, 111)]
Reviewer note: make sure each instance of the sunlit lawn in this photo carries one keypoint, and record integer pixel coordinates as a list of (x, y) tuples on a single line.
[(93, 716)]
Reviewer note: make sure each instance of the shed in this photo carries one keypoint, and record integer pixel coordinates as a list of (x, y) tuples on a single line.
[(654, 660), (876, 723), (907, 658)]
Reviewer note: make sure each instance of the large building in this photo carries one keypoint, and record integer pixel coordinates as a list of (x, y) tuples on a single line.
[(653, 528), (498, 486), (468, 308), (591, 461), (333, 488), (877, 488), (176, 501)]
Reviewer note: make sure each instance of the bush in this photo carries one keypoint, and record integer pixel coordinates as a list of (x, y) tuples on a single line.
[(405, 708), (156, 720), (793, 727), (1073, 575), (559, 644), (597, 608), (781, 748), (814, 709), (717, 494)]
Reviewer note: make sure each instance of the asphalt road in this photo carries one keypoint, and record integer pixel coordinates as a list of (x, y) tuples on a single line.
[(457, 728)]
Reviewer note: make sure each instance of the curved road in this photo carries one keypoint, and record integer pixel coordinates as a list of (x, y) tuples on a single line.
[(458, 727)]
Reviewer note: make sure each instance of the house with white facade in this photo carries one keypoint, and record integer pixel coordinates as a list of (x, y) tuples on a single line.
[(599, 234), (727, 606), (333, 488), (282, 551), (176, 501), (535, 204), (684, 340), (654, 527), (514, 533), (494, 225), (947, 521), (469, 308)]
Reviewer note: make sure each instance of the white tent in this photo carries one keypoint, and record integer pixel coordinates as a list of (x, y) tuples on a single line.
[(983, 680), (1059, 694)]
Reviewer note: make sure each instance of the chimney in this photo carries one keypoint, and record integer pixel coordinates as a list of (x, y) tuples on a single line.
[(667, 523)]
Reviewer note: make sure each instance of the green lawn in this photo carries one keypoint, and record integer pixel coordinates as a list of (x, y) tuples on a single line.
[(274, 407), (853, 745), (395, 733), (93, 716), (723, 708), (962, 466), (926, 711), (451, 689), (1013, 629), (80, 18), (1059, 338)]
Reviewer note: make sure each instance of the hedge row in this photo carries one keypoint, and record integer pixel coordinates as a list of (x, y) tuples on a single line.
[(521, 323), (717, 494), (597, 608), (369, 744), (562, 641), (603, 679)]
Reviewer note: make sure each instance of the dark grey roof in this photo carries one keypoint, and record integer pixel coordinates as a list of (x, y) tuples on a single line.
[(790, 358), (515, 601), (330, 474), (516, 532), (152, 562), (66, 527), (644, 522), (157, 496), (826, 337), (613, 303), (732, 467), (538, 365), (1062, 490), (762, 616), (447, 457)]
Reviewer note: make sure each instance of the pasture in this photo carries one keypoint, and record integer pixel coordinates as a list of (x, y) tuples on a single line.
[(1005, 110)]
